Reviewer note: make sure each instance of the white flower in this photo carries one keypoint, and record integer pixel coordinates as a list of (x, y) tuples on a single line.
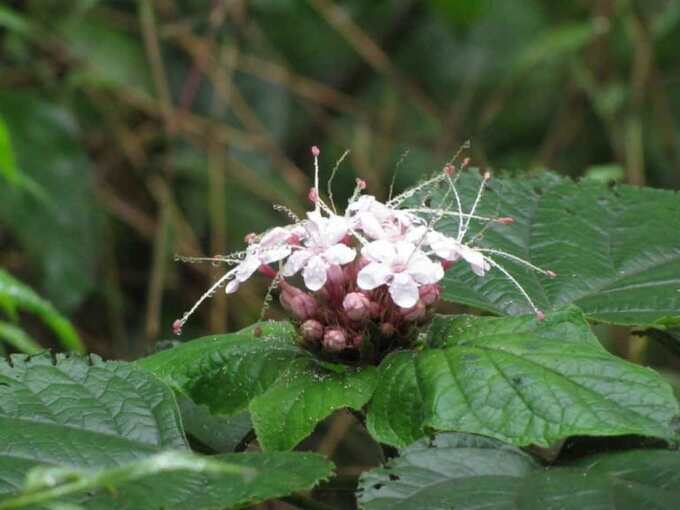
[(400, 265), (449, 248), (273, 246), (378, 221), (322, 249)]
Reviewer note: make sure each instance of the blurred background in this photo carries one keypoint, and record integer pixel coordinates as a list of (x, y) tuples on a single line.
[(133, 131)]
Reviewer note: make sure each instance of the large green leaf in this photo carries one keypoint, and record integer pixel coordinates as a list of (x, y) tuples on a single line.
[(54, 217), (519, 380), (15, 295), (176, 480), (462, 472), (287, 390), (616, 251)]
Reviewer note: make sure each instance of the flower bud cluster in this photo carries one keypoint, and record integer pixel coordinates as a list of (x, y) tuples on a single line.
[(364, 280)]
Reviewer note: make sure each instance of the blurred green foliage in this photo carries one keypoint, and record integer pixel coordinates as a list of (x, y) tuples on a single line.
[(131, 131)]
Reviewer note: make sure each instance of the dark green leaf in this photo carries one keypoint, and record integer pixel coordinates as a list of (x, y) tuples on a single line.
[(287, 390), (462, 472), (519, 380), (616, 251), (219, 433), (15, 295), (176, 480)]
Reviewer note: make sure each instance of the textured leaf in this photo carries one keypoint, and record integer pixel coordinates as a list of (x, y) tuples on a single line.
[(519, 380), (219, 433), (616, 251), (287, 390), (55, 220), (15, 295), (80, 412), (461, 472), (176, 480)]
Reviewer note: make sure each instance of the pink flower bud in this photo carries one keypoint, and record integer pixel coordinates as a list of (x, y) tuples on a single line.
[(506, 220), (449, 169), (429, 294), (446, 264), (267, 270), (315, 151), (335, 277), (387, 329), (313, 195), (487, 175), (540, 316), (311, 330), (334, 339), (361, 184), (466, 162), (357, 306), (551, 274), (415, 313), (250, 238), (177, 327), (297, 302)]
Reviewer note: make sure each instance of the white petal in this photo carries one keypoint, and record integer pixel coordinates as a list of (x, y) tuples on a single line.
[(295, 262), (373, 275), (371, 226), (379, 251), (339, 254), (335, 230), (425, 271), (268, 255), (314, 273), (232, 287), (404, 251), (247, 267), (404, 290), (476, 260), (277, 235)]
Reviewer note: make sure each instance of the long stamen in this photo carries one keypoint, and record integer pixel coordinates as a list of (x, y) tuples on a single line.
[(519, 260), (330, 180), (487, 176), (315, 153), (452, 185), (524, 293), (394, 175), (215, 260), (426, 210), (177, 326)]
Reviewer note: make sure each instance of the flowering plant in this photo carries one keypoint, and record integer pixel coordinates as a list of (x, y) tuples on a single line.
[(369, 276)]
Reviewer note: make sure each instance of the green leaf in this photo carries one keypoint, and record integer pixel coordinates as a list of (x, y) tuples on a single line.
[(616, 251), (8, 164), (18, 338), (55, 220), (461, 472), (426, 470), (286, 389), (219, 433), (15, 295), (519, 380), (175, 480)]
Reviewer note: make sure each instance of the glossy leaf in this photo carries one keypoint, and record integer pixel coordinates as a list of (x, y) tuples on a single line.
[(175, 480), (519, 380), (287, 389), (616, 251), (221, 434), (80, 412), (463, 472), (15, 295)]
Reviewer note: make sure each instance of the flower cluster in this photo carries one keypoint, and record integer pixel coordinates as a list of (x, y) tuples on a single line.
[(362, 281)]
